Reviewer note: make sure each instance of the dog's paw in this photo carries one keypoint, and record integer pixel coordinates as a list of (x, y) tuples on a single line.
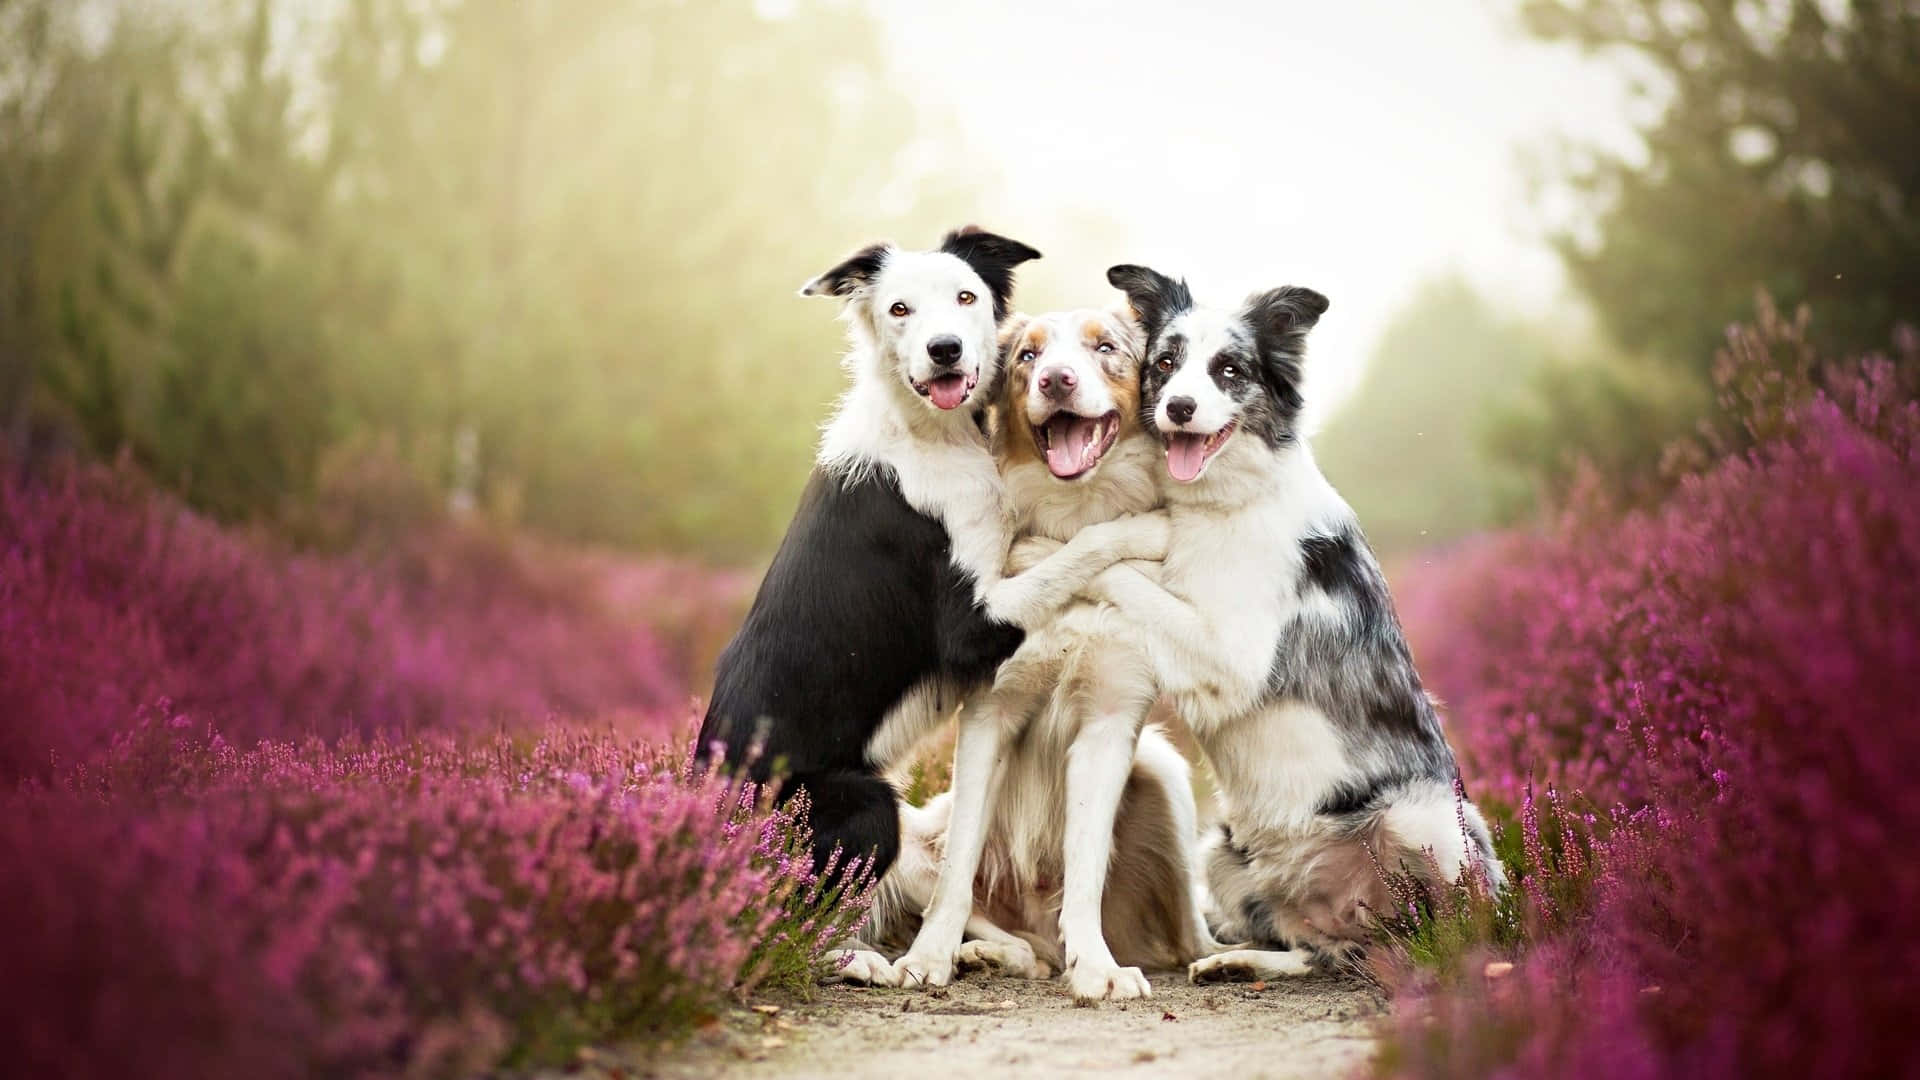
[(1014, 961), (1107, 982), (1246, 965), (858, 967), (920, 970)]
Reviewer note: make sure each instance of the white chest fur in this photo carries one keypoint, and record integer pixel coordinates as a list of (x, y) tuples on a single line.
[(940, 462)]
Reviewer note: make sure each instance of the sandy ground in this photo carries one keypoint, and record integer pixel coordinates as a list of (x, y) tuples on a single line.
[(1306, 1027)]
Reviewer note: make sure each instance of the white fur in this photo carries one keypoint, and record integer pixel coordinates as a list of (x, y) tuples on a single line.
[(1207, 332), (1061, 724)]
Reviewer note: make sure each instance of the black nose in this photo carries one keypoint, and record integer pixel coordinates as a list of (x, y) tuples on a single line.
[(945, 350), (1057, 382), (1180, 409)]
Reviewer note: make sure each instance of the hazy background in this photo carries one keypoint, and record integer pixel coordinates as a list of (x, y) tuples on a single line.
[(338, 269)]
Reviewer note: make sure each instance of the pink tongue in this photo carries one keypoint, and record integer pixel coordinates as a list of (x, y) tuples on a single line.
[(948, 391), (1070, 444), (1185, 455)]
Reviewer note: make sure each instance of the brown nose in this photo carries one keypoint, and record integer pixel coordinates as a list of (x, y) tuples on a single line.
[(1057, 382)]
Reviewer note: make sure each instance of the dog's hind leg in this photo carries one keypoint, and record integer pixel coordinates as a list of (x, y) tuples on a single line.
[(992, 949), (1246, 965), (855, 814), (852, 812)]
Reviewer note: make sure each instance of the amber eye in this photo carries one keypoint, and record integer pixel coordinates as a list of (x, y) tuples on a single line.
[(1165, 363), (966, 298), (899, 310)]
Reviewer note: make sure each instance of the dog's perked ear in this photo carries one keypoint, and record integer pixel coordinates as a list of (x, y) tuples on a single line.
[(856, 272), (993, 257), (1154, 297), (1282, 317)]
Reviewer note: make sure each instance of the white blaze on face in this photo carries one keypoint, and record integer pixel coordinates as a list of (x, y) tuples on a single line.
[(1075, 357), (1193, 439), (933, 318)]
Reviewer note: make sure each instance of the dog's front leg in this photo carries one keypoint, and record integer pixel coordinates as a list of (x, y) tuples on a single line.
[(1097, 766), (976, 773), (1184, 644), (1031, 598)]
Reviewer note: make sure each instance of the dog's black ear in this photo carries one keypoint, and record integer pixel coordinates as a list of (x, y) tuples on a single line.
[(993, 257), (1154, 297), (1282, 318), (858, 271)]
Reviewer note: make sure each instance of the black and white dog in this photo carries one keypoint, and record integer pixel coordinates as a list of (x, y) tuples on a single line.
[(1272, 629), (885, 606)]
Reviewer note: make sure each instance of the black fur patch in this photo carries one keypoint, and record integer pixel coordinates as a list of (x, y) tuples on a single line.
[(856, 272), (861, 604), (993, 257), (1155, 297)]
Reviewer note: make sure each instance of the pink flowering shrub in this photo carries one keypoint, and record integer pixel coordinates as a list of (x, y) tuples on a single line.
[(430, 907), (113, 596), (1718, 694)]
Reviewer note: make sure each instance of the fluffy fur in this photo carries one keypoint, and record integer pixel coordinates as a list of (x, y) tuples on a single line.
[(885, 605), (1087, 851), (1273, 632)]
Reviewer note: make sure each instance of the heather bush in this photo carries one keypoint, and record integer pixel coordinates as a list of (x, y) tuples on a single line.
[(112, 596), (1722, 686), (426, 907)]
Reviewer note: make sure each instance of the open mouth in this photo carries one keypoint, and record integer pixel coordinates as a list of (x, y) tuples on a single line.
[(1074, 444), (948, 391), (1188, 453)]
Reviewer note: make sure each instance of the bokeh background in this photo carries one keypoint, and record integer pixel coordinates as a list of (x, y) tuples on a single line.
[(341, 266), (399, 400)]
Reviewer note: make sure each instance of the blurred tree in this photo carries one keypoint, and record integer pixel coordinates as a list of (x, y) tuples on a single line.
[(1406, 448), (1784, 156), (329, 263), (1787, 158), (51, 111)]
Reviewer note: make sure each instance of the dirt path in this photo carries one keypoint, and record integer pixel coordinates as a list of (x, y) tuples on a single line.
[(1310, 1027)]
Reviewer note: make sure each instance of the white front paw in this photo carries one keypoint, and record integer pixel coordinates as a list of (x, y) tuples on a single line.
[(1107, 982), (1015, 960), (858, 967), (923, 969)]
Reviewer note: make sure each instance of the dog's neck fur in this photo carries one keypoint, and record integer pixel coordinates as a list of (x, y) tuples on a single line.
[(939, 459), (1122, 484)]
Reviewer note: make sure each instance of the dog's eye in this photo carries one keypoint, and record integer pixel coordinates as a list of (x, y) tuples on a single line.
[(1229, 371), (965, 298), (1105, 346), (1165, 363), (1027, 356), (899, 310)]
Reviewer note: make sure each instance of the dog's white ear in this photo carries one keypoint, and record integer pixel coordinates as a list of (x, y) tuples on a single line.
[(854, 273)]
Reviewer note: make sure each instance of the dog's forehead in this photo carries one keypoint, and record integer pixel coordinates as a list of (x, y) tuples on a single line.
[(1207, 331), (1085, 327), (929, 271)]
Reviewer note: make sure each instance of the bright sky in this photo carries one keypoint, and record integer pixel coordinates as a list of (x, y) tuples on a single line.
[(1354, 147)]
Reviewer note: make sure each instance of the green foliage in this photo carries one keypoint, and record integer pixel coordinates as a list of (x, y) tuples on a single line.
[(1782, 157), (537, 259), (1406, 450)]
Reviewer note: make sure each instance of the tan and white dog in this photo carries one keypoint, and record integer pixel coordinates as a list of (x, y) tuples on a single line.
[(1086, 857)]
